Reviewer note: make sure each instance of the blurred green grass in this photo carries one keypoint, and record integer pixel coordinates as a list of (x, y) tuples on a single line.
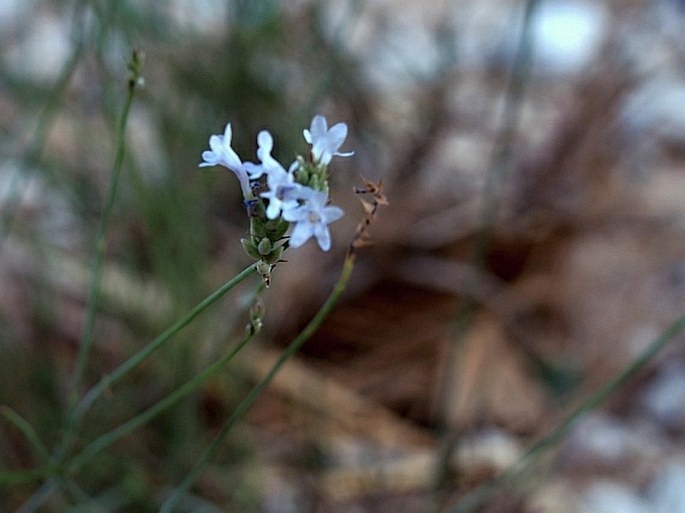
[(171, 224)]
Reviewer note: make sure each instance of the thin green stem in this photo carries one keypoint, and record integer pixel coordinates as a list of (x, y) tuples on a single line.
[(99, 251), (478, 496), (40, 496), (506, 140), (172, 502), (107, 381), (27, 430), (497, 171), (100, 246), (80, 497), (26, 476), (141, 419)]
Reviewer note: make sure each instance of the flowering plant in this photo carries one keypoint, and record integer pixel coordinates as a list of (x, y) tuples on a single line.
[(276, 198), (278, 202)]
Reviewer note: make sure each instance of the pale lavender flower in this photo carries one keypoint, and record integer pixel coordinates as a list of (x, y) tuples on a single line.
[(312, 218), (283, 192), (265, 145), (222, 154), (326, 143)]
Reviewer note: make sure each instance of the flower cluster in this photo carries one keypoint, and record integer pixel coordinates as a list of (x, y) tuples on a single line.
[(276, 198)]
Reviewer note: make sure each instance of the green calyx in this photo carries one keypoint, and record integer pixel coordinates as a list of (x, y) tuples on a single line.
[(266, 243), (312, 175)]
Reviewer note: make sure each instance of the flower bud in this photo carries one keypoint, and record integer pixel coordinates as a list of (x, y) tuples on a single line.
[(276, 228), (256, 315), (274, 256), (250, 248), (263, 268), (264, 247), (302, 176)]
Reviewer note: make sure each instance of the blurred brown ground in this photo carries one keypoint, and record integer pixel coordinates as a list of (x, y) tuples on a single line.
[(583, 265)]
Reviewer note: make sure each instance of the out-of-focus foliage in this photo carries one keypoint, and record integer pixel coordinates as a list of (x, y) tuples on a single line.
[(580, 261)]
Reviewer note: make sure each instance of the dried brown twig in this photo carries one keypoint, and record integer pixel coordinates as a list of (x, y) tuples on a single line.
[(361, 236)]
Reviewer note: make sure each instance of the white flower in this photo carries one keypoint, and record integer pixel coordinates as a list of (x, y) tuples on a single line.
[(222, 154), (265, 145), (283, 192), (312, 219), (326, 143)]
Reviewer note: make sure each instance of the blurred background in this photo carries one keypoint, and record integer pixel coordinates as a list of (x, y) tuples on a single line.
[(533, 153)]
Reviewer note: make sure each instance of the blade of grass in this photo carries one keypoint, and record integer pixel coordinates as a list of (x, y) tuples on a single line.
[(108, 380), (478, 496), (27, 430), (497, 171), (135, 65), (79, 496), (141, 419), (40, 496), (26, 476), (100, 242)]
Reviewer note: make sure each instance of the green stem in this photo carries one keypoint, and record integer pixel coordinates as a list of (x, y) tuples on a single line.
[(497, 172), (27, 430), (107, 381), (477, 497), (96, 279), (139, 420), (171, 503), (26, 476), (100, 245), (40, 496), (84, 501)]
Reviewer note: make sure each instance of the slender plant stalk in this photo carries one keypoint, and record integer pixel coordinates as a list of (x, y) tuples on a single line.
[(100, 246), (26, 476), (80, 497), (135, 66), (27, 430), (506, 139), (110, 379), (478, 496), (141, 419), (172, 502), (498, 169), (40, 496), (105, 383)]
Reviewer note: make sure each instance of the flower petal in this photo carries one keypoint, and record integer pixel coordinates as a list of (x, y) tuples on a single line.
[(216, 144), (232, 161), (301, 234), (331, 214), (265, 141), (335, 137), (253, 170), (325, 143), (228, 134), (209, 158), (318, 127), (323, 236)]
